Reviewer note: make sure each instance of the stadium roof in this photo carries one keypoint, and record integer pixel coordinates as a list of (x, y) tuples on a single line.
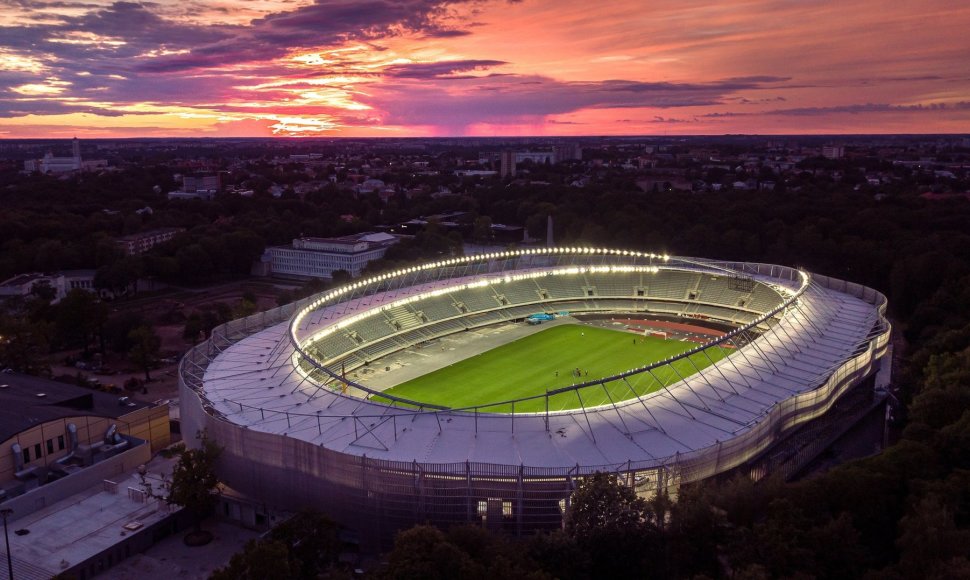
[(254, 383)]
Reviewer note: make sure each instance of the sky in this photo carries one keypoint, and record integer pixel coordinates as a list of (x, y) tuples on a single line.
[(431, 68)]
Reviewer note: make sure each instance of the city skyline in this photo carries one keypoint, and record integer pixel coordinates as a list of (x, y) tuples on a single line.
[(426, 68)]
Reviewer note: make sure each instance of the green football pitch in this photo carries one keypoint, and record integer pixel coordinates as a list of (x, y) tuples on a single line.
[(549, 360)]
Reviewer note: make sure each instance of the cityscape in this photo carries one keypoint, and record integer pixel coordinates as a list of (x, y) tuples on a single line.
[(505, 289)]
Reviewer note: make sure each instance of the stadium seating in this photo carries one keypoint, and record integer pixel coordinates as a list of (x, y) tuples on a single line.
[(763, 299), (477, 299), (674, 292), (622, 284), (559, 287), (402, 318), (520, 291), (373, 328), (438, 308)]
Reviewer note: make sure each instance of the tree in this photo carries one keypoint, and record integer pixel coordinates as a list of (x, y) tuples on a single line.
[(194, 479), (424, 552), (144, 350), (305, 546), (483, 229), (24, 345), (259, 560), (312, 541), (602, 502), (194, 328), (79, 318), (340, 278), (612, 525), (119, 277), (118, 327)]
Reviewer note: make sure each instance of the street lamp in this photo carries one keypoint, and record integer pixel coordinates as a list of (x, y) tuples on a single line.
[(6, 538)]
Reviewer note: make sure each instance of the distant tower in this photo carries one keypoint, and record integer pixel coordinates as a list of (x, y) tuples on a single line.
[(507, 164), (76, 149), (549, 241)]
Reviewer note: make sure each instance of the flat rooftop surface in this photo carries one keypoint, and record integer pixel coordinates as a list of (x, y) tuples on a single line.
[(78, 527), (26, 401), (171, 558)]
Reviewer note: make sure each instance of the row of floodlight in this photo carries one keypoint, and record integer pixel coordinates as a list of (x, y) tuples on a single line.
[(793, 295), (345, 322), (463, 260)]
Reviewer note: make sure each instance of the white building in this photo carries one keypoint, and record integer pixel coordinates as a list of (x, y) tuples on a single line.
[(51, 164), (60, 282), (833, 151), (321, 257)]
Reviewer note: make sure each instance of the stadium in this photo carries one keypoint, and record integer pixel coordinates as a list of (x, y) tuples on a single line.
[(481, 389)]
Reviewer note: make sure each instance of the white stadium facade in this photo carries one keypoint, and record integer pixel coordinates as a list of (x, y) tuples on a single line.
[(277, 390)]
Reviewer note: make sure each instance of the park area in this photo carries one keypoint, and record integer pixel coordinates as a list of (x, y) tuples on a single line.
[(555, 358)]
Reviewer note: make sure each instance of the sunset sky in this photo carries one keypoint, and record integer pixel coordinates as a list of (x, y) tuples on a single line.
[(400, 68)]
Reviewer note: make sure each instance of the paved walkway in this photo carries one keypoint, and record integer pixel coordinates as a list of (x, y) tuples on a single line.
[(171, 558)]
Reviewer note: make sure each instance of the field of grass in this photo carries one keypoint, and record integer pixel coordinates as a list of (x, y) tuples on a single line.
[(547, 360)]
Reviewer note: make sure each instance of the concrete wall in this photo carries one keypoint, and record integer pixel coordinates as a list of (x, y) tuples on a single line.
[(79, 481), (150, 424)]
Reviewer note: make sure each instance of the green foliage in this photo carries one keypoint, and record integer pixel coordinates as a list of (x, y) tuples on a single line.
[(259, 560), (25, 345), (194, 478), (427, 553), (79, 318), (145, 344), (304, 547), (118, 328), (601, 502)]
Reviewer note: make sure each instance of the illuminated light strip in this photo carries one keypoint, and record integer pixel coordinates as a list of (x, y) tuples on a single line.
[(298, 318), (300, 353), (348, 321)]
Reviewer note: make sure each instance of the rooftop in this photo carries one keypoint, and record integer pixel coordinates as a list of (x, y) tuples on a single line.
[(149, 233), (26, 401), (21, 279), (81, 526)]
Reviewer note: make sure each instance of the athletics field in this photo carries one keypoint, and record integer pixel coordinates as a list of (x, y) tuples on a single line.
[(549, 360)]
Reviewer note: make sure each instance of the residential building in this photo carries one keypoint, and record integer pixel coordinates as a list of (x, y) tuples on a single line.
[(833, 151), (202, 182), (507, 164), (140, 243), (568, 152)]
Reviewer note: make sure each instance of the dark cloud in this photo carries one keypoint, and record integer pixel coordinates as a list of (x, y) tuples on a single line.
[(20, 107), (870, 108), (108, 40), (452, 33), (856, 109), (672, 120), (142, 30), (758, 79), (516, 98), (324, 23), (439, 70)]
